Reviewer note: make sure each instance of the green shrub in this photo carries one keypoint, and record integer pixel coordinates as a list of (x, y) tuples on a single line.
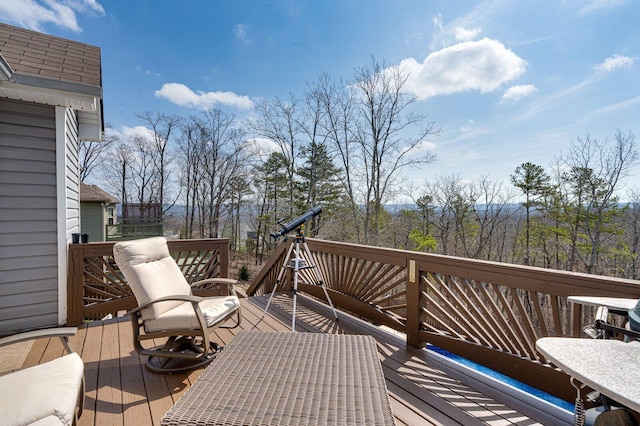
[(243, 273)]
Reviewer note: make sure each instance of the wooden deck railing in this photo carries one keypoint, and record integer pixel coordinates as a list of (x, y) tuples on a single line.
[(96, 288), (132, 231), (491, 313)]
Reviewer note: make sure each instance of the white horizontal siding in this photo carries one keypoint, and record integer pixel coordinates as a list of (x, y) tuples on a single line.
[(68, 178), (28, 217)]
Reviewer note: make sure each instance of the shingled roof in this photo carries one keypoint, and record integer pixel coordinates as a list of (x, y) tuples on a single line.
[(32, 53), (93, 193), (44, 69)]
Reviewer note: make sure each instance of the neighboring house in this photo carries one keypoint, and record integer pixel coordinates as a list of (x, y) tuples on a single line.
[(50, 98), (97, 210)]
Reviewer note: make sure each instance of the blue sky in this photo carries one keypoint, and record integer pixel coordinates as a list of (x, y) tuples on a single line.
[(506, 81)]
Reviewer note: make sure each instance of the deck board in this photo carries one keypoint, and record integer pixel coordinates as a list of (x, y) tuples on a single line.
[(121, 391), (134, 400)]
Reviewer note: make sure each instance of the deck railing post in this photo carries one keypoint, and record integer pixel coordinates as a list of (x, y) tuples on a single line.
[(576, 328), (224, 259), (413, 305), (75, 285)]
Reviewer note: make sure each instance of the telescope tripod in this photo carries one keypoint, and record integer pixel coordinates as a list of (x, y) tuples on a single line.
[(298, 264)]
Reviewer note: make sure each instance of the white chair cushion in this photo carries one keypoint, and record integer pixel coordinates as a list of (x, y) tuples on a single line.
[(46, 393), (183, 317), (151, 273), (48, 421)]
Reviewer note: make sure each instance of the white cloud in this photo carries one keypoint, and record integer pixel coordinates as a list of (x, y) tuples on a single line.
[(146, 72), (423, 146), (515, 93), (468, 26), (613, 108), (261, 147), (33, 14), (482, 65), (438, 29), (614, 62), (137, 131), (570, 93), (181, 95), (85, 6), (599, 5), (467, 127), (463, 34), (241, 33), (125, 133)]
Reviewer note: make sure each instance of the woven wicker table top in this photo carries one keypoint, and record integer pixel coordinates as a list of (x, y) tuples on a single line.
[(285, 378)]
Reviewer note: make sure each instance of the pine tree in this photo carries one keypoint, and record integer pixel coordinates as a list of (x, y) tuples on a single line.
[(534, 182), (319, 182)]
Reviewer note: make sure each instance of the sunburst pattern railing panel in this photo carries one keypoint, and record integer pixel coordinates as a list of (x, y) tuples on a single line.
[(371, 282), (496, 316), (97, 287), (493, 305)]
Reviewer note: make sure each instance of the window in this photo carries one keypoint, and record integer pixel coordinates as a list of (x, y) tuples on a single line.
[(111, 216)]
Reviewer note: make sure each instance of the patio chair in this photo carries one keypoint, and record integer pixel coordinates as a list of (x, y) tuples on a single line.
[(168, 309), (51, 393)]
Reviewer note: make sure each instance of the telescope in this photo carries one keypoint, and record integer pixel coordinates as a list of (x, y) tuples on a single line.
[(297, 222)]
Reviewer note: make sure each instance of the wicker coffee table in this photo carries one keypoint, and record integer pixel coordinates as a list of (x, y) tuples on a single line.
[(285, 378)]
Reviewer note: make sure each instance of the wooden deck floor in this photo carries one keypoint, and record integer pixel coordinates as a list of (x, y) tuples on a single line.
[(121, 391)]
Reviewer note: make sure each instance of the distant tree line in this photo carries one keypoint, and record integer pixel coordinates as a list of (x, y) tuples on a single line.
[(570, 219), (344, 145)]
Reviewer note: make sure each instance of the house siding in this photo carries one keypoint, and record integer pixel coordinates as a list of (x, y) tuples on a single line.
[(72, 172), (92, 221), (68, 172), (29, 243)]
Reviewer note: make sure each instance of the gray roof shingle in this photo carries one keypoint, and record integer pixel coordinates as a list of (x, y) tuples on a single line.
[(89, 193), (36, 54)]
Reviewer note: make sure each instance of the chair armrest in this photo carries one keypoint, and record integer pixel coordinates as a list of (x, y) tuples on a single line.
[(62, 332), (194, 300), (182, 297), (230, 282)]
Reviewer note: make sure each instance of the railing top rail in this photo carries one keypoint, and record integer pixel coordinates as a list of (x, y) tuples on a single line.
[(528, 277), (102, 248)]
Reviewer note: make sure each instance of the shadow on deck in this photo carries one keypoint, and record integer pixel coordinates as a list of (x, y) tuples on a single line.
[(120, 390)]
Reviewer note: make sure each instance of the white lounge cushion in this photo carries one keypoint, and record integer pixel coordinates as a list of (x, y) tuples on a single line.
[(47, 393), (151, 272), (183, 316)]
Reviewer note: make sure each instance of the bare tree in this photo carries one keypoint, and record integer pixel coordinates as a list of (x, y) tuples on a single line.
[(493, 218), (92, 154), (382, 126), (632, 235), (338, 103), (280, 122), (222, 143), (191, 174), (162, 127), (117, 169), (240, 189), (596, 168), (144, 180), (446, 192)]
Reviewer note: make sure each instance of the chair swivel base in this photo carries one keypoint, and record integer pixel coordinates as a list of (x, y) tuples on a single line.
[(191, 357)]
